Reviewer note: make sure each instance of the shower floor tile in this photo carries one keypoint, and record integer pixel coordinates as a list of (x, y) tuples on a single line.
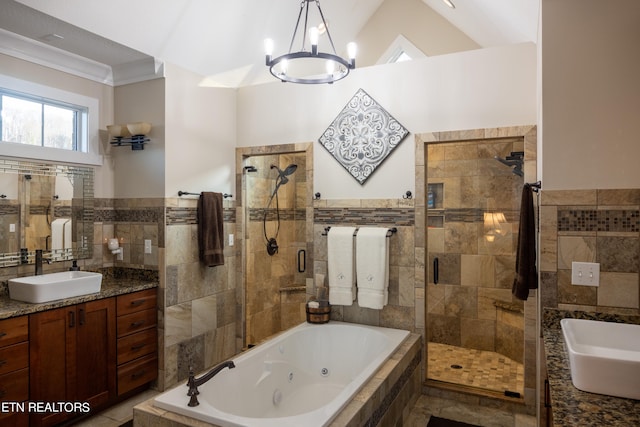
[(474, 368)]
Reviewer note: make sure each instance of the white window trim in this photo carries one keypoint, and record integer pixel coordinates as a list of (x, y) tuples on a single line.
[(399, 45), (91, 140)]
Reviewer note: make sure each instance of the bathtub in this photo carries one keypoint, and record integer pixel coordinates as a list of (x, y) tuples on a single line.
[(301, 377)]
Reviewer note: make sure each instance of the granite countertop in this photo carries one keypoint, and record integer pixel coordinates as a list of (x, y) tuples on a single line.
[(572, 407), (110, 287)]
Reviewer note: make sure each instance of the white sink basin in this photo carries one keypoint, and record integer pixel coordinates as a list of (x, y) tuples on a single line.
[(54, 286), (604, 357)]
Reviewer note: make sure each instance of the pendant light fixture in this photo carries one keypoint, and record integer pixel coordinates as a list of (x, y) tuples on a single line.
[(309, 65)]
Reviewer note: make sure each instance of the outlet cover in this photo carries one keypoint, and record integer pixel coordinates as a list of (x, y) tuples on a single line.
[(585, 273)]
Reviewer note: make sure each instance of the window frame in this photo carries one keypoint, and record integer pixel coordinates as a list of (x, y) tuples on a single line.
[(88, 142)]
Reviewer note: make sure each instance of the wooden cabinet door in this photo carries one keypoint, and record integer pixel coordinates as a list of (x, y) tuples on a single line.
[(52, 360), (96, 352)]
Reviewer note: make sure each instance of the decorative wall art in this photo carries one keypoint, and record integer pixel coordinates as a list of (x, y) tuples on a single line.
[(362, 136)]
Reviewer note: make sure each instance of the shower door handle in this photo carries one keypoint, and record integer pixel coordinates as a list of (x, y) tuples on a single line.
[(435, 271), (302, 261)]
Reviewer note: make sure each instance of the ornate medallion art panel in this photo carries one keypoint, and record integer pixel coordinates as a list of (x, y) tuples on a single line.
[(362, 136)]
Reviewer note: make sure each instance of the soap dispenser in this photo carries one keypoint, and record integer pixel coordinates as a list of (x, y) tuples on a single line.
[(74, 267)]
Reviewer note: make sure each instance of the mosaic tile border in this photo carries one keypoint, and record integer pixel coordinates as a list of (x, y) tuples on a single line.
[(285, 214), (365, 216), (616, 220), (184, 216), (150, 215)]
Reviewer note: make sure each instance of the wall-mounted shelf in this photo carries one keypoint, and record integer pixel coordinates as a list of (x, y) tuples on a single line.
[(136, 141)]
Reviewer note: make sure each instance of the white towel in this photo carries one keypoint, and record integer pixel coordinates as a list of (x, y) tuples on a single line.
[(57, 234), (68, 243), (342, 290), (372, 267)]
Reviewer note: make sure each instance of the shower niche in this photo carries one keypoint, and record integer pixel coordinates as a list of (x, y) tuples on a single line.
[(435, 205)]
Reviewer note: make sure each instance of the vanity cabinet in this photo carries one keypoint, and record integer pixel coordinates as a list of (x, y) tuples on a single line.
[(137, 340), (73, 357), (14, 368)]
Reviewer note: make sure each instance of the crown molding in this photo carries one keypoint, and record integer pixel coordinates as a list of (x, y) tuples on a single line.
[(27, 49)]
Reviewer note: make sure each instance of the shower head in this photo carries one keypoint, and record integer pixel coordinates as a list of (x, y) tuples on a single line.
[(283, 174), (515, 160), (287, 171)]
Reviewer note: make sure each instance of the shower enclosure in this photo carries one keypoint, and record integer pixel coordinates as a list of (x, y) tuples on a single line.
[(275, 254), (474, 326)]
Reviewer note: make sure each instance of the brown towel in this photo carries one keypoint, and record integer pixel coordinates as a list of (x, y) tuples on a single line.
[(526, 274), (210, 229)]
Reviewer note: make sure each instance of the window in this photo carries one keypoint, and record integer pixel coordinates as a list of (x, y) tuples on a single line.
[(62, 126), (400, 50), (33, 120)]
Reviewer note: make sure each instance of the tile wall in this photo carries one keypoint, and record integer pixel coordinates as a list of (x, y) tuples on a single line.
[(405, 309), (600, 226), (200, 306)]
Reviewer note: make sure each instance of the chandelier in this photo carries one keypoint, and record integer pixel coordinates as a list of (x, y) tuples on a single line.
[(310, 66)]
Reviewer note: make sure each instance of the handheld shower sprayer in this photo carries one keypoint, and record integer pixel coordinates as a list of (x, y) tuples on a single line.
[(281, 179)]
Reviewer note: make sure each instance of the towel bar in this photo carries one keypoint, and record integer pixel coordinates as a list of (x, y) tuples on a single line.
[(390, 232), (186, 193)]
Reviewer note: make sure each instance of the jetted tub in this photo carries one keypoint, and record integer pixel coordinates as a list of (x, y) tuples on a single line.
[(302, 377)]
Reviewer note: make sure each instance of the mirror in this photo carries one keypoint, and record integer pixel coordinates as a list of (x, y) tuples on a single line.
[(45, 206)]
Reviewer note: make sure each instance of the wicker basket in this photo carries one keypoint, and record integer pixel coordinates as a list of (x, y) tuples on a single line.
[(320, 314)]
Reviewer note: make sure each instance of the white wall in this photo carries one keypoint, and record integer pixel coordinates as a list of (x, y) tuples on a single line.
[(200, 134), (591, 94), (140, 173), (475, 89)]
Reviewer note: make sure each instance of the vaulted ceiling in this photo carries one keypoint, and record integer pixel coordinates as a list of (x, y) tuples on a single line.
[(222, 39)]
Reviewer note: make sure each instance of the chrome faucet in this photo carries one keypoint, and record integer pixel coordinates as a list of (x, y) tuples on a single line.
[(39, 259), (193, 383)]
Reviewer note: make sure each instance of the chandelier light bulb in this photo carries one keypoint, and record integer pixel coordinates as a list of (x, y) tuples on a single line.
[(331, 67), (313, 38), (352, 49)]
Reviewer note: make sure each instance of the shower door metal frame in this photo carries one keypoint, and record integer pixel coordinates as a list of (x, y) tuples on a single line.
[(242, 154), (531, 306)]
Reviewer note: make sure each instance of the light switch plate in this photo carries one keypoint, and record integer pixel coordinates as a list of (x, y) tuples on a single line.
[(147, 246), (585, 273)]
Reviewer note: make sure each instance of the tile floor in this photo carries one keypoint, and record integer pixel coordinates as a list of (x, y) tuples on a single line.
[(419, 416), (468, 413), (118, 414), (474, 368)]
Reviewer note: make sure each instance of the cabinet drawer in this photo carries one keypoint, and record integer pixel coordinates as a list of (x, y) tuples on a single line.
[(136, 301), (14, 386), (13, 357), (135, 345), (137, 373), (14, 330), (136, 322)]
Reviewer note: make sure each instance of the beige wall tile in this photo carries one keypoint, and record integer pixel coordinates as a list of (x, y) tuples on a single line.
[(580, 249), (619, 290)]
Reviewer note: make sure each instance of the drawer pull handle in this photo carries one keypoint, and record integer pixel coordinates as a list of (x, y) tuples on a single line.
[(137, 347), (138, 374), (2, 334), (72, 319), (137, 324), (137, 302), (3, 362)]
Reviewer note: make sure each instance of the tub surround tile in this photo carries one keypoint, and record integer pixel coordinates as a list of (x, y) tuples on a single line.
[(178, 323)]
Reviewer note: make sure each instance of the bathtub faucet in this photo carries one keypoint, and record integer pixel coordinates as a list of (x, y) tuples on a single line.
[(193, 383)]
